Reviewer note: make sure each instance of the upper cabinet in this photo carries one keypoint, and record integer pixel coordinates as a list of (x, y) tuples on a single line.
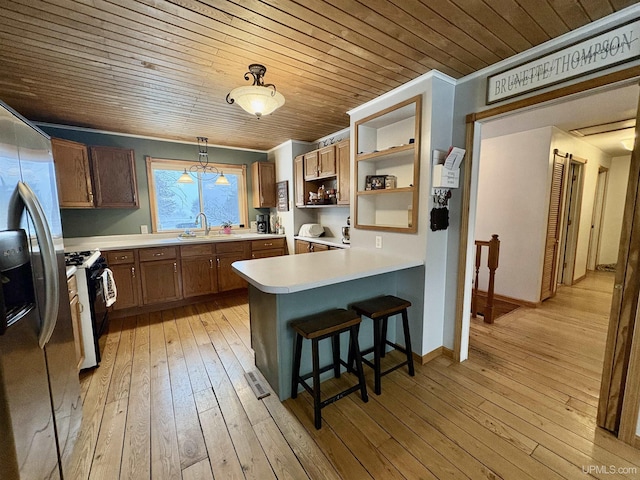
[(327, 167), (73, 174), (105, 179), (387, 168), (264, 184), (114, 175)]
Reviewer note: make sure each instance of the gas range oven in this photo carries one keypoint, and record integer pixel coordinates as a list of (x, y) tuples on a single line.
[(94, 316)]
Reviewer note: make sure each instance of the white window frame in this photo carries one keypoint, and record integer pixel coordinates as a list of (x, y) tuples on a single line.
[(181, 165)]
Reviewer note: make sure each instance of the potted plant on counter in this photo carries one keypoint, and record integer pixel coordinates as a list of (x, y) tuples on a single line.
[(226, 227)]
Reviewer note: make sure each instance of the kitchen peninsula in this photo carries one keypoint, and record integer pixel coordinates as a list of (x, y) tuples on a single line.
[(284, 288)]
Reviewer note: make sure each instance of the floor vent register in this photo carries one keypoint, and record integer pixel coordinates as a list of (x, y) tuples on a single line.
[(256, 385)]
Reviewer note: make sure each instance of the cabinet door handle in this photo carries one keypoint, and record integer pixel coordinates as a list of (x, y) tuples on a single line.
[(210, 263), (268, 244), (122, 257), (133, 272), (218, 262), (175, 267), (91, 197), (158, 254)]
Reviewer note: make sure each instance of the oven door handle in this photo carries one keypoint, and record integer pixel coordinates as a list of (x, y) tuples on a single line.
[(23, 197)]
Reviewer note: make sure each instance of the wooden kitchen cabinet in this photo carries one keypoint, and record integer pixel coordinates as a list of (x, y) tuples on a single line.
[(264, 184), (199, 272), (271, 247), (311, 165), (73, 174), (160, 275), (298, 176), (114, 175), (74, 303), (226, 254), (327, 162), (302, 246), (125, 274), (343, 171)]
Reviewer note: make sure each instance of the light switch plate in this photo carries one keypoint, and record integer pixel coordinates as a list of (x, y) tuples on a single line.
[(378, 241), (144, 229)]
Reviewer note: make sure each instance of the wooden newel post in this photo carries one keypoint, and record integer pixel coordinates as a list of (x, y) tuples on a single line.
[(492, 264), (474, 297)]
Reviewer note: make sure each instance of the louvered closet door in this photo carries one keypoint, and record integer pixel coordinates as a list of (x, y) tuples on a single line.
[(553, 230)]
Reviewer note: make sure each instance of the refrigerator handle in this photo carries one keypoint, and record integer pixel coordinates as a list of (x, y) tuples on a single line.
[(23, 197)]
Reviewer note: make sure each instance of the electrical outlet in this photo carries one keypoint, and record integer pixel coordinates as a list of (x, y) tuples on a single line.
[(378, 241), (144, 229)]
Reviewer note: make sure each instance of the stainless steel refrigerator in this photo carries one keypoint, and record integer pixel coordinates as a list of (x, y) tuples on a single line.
[(40, 405)]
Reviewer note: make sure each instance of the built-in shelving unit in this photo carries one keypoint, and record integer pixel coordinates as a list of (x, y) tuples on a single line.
[(388, 147)]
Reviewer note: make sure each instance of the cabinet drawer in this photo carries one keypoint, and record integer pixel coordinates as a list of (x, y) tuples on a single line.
[(231, 247), (160, 253), (72, 287), (268, 252), (120, 256), (196, 250), (267, 243)]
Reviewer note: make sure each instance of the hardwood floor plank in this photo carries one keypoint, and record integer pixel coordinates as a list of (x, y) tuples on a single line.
[(197, 372), (282, 459), (136, 459), (223, 459), (190, 440), (198, 471), (106, 461), (165, 456), (93, 406), (121, 377)]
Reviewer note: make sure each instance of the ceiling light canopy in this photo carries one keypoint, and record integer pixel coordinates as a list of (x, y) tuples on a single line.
[(203, 169), (258, 99)]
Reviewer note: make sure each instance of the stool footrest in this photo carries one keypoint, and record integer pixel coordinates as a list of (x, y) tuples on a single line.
[(338, 396)]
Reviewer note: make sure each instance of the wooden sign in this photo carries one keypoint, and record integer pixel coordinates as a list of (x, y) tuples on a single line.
[(613, 47), (282, 191)]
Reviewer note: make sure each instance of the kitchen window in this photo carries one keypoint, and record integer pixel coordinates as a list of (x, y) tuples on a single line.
[(174, 205)]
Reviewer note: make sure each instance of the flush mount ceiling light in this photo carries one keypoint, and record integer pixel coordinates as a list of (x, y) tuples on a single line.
[(257, 99), (203, 169)]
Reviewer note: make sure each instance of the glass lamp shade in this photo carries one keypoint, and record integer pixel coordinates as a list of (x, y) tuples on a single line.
[(257, 100), (222, 180), (185, 177)]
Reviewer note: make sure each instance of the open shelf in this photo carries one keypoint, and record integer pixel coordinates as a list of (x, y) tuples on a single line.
[(390, 144)]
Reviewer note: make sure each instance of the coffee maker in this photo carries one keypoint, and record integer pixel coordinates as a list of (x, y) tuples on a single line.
[(262, 223)]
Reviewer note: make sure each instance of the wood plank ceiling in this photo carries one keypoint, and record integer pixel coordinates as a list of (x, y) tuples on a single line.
[(163, 68)]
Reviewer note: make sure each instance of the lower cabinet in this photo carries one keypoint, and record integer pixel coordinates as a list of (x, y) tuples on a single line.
[(273, 247), (227, 253), (159, 275), (302, 246), (199, 272), (125, 273)]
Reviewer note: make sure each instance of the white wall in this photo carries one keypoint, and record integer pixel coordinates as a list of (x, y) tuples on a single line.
[(613, 210), (513, 199), (427, 294), (283, 156)]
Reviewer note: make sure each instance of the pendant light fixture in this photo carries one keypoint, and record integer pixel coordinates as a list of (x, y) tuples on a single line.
[(258, 99), (203, 169)]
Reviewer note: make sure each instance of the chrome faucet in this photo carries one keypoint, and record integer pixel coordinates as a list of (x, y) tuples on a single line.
[(205, 225)]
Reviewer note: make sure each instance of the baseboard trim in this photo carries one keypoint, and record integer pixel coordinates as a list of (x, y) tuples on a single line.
[(517, 301), (579, 279), (438, 352)]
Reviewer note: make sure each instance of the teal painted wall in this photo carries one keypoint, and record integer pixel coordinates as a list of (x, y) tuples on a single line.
[(122, 221)]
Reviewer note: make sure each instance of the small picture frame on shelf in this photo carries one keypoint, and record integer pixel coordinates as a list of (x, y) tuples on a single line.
[(378, 182)]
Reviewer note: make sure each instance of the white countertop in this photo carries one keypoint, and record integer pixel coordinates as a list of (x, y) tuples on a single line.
[(117, 242), (331, 241), (295, 273)]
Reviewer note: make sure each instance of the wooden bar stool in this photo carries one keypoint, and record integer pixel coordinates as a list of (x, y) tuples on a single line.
[(379, 310), (315, 328)]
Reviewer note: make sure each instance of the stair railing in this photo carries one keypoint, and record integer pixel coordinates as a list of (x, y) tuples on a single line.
[(492, 265)]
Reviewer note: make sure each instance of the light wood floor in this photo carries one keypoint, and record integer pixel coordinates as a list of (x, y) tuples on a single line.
[(170, 401)]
